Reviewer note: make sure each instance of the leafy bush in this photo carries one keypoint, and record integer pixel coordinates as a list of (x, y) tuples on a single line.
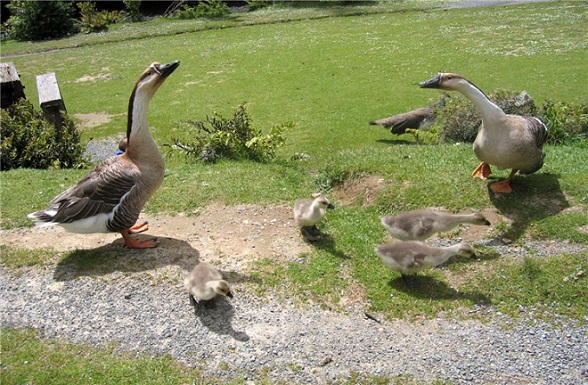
[(30, 140), (204, 9), (132, 11), (234, 138), (40, 20), (459, 120), (566, 122), (92, 20)]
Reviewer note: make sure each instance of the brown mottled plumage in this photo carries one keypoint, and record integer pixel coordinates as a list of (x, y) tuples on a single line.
[(505, 141)]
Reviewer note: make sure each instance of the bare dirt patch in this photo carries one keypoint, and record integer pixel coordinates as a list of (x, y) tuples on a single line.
[(361, 191), (93, 119)]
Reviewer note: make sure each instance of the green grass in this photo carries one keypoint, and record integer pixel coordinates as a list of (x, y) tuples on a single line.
[(29, 358)]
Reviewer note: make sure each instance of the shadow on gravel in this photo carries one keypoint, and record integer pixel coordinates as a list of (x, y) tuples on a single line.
[(534, 197), (115, 257), (217, 315), (422, 286)]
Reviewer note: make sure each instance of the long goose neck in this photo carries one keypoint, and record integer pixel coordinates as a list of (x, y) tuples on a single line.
[(485, 106), (140, 142)]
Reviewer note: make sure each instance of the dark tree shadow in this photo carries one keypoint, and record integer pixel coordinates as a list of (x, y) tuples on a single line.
[(115, 257), (426, 287), (533, 197), (398, 140), (217, 315)]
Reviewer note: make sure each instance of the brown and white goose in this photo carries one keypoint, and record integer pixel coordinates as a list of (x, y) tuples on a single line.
[(421, 224), (420, 119), (204, 282), (505, 141), (410, 257), (110, 198)]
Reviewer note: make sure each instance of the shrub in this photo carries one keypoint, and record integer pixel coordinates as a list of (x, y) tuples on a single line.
[(566, 122), (40, 20), (132, 11), (92, 20), (204, 9), (459, 120), (30, 140), (234, 138)]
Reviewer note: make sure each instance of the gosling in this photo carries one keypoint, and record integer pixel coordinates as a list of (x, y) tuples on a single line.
[(204, 282), (410, 257), (309, 212), (421, 224)]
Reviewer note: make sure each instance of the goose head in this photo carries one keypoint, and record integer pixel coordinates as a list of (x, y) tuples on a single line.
[(154, 76), (464, 250), (444, 81), (222, 287)]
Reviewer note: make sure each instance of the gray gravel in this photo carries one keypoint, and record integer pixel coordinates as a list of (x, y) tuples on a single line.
[(241, 337)]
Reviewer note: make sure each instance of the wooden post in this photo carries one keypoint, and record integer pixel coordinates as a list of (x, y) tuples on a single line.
[(12, 88), (50, 98)]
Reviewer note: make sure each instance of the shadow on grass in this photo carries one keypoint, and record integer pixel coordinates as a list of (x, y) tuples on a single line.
[(115, 257), (327, 244), (217, 315), (534, 197), (425, 287)]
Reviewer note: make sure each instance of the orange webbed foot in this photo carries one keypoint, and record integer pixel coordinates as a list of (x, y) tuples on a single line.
[(133, 243), (482, 171), (501, 187)]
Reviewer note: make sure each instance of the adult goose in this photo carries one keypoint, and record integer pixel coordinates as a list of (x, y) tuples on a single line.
[(505, 141), (309, 212), (421, 224), (420, 119), (111, 197), (410, 257), (204, 282)]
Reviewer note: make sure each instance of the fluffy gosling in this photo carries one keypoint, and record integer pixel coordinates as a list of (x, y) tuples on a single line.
[(204, 282), (409, 257), (421, 224), (309, 212)]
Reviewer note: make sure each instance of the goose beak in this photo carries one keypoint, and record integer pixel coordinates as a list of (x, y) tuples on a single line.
[(434, 82), (230, 294), (331, 206), (166, 69)]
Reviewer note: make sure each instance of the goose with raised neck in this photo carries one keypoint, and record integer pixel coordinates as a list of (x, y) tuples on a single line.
[(111, 197), (506, 141)]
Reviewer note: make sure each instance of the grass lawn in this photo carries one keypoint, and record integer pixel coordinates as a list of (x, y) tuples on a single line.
[(330, 76)]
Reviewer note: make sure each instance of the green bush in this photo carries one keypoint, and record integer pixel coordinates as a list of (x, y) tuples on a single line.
[(29, 140), (459, 120), (566, 122), (204, 9), (234, 138), (132, 11), (40, 20), (92, 20)]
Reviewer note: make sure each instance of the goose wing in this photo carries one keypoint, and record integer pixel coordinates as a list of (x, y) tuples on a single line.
[(410, 119), (100, 191), (537, 130)]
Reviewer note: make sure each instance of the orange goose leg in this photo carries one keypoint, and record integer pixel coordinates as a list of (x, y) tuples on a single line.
[(503, 186), (133, 243), (482, 171), (139, 228)]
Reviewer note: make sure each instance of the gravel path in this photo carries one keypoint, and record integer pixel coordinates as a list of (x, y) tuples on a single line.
[(243, 336)]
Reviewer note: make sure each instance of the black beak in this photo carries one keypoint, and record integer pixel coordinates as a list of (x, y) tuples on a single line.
[(166, 69), (431, 83), (330, 206), (230, 295)]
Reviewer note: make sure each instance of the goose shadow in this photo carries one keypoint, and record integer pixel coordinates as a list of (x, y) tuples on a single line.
[(217, 315), (534, 197), (115, 257), (425, 287), (398, 141), (327, 243)]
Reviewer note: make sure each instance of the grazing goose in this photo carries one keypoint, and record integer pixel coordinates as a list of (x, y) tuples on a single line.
[(421, 224), (110, 198), (419, 119), (505, 141), (409, 257), (309, 212), (204, 282)]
